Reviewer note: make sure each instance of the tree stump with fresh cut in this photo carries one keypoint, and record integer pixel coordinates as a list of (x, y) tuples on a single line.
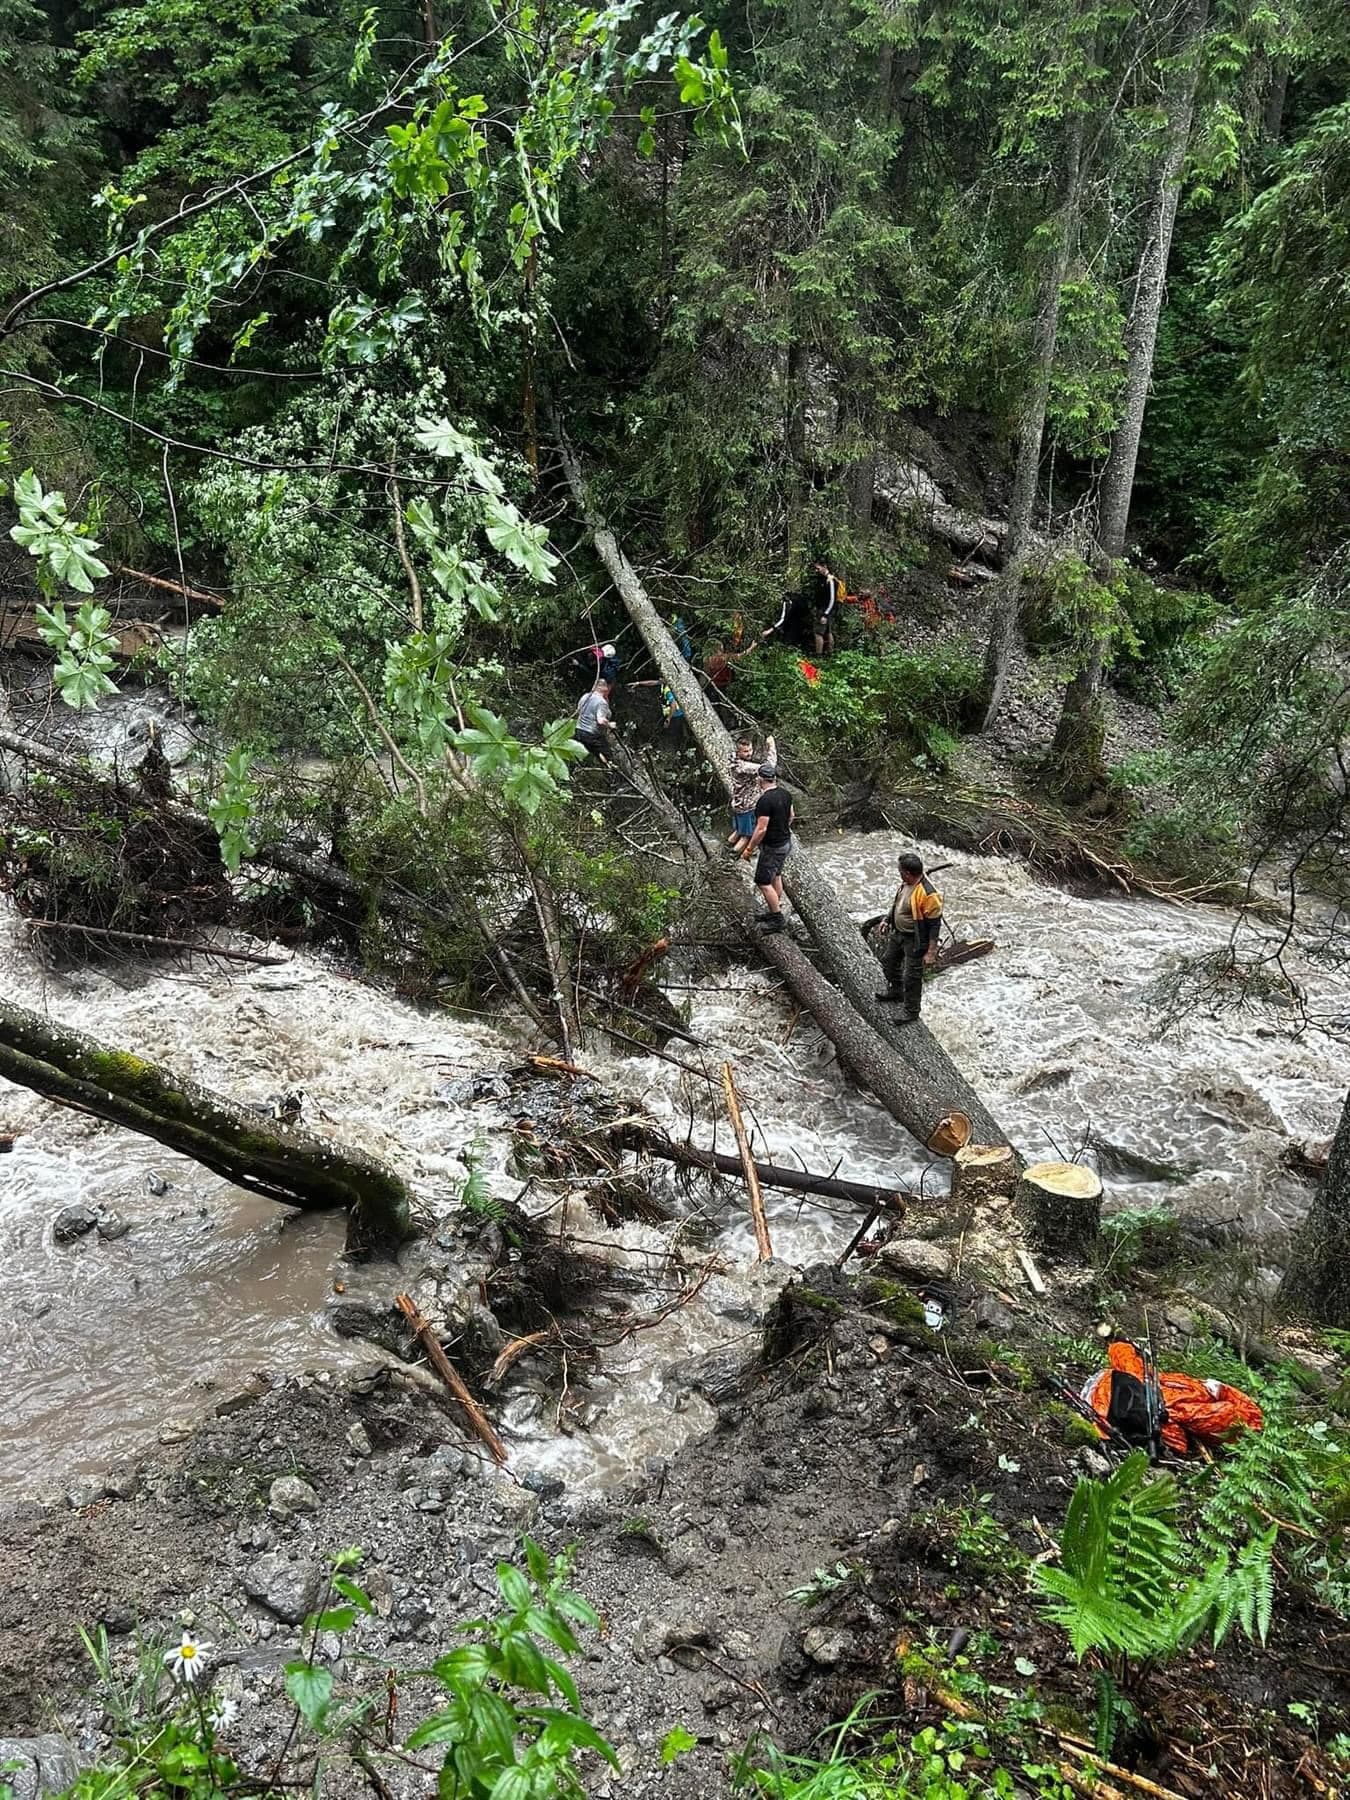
[(1060, 1205), (983, 1172)]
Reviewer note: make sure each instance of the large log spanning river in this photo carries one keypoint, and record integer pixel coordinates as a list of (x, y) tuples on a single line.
[(107, 1340)]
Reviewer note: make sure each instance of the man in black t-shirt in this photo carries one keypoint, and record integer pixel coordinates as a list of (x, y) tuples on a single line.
[(772, 838)]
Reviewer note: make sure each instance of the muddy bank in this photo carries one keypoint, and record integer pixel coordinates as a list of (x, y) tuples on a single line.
[(918, 1472)]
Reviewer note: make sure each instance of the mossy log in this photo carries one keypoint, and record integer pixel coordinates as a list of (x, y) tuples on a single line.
[(292, 1166), (982, 1171), (1060, 1204)]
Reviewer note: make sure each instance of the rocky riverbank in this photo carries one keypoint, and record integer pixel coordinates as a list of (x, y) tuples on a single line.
[(864, 1478)]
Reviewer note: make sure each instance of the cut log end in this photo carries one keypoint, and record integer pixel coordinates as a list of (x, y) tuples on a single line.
[(1060, 1205)]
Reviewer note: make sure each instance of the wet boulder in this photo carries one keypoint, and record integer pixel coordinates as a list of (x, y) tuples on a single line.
[(915, 1260), (43, 1765), (73, 1222), (287, 1588)]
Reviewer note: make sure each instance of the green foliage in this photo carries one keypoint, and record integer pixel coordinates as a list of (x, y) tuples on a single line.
[(84, 651), (823, 1583), (64, 549), (1135, 1236), (1089, 367), (509, 1725), (1278, 292), (474, 1196), (231, 808), (1067, 605), (528, 775), (677, 1743), (878, 705), (953, 1760), (1123, 1584)]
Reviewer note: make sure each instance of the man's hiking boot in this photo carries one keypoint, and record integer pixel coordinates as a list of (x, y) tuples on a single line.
[(771, 922), (906, 1018), (891, 995)]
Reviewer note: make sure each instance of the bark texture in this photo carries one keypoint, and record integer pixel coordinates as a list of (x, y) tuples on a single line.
[(290, 1165), (904, 1066), (1007, 594), (1317, 1281), (1077, 732), (1061, 1206)]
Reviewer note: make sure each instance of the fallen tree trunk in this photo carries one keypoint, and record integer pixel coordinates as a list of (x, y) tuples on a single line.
[(292, 1166), (796, 1181), (836, 935), (911, 1100)]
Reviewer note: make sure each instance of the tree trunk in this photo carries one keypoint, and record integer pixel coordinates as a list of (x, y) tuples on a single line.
[(905, 1066), (1272, 121), (1317, 1280), (1079, 723), (292, 1166), (1007, 595)]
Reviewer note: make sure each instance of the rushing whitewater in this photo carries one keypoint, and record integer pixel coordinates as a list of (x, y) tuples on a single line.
[(1058, 1028)]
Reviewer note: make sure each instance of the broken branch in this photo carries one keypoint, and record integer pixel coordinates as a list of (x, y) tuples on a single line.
[(441, 1363)]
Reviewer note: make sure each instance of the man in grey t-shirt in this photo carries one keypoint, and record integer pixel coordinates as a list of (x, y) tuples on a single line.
[(595, 722)]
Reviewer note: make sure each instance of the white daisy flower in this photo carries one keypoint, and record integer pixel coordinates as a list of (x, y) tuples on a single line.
[(186, 1660), (224, 1712)]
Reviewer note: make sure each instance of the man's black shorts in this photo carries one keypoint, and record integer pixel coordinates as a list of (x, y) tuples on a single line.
[(593, 742), (770, 865)]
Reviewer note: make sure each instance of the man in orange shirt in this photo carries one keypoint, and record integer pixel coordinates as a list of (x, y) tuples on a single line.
[(913, 924)]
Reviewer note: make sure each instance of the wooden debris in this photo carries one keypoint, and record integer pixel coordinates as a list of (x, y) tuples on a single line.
[(292, 1165), (961, 950), (179, 589), (797, 1181), (747, 1164), (557, 1065), (153, 941), (443, 1366), (517, 1348), (1031, 1272)]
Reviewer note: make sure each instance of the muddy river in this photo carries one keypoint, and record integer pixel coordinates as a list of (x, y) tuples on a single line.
[(109, 1342)]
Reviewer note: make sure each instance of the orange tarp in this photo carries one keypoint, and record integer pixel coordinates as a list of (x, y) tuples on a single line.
[(1203, 1411)]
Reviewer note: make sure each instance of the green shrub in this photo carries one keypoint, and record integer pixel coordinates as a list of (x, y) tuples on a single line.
[(871, 705)]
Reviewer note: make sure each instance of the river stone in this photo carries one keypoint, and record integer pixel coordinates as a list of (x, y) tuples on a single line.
[(121, 1481), (73, 1222), (288, 1589), (716, 1374), (84, 1491), (917, 1260), (384, 1326), (175, 1431), (538, 1481), (358, 1440), (288, 1495), (825, 1646), (45, 1765), (113, 1226)]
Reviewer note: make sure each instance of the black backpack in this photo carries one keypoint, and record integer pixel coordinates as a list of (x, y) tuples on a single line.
[(1136, 1411)]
